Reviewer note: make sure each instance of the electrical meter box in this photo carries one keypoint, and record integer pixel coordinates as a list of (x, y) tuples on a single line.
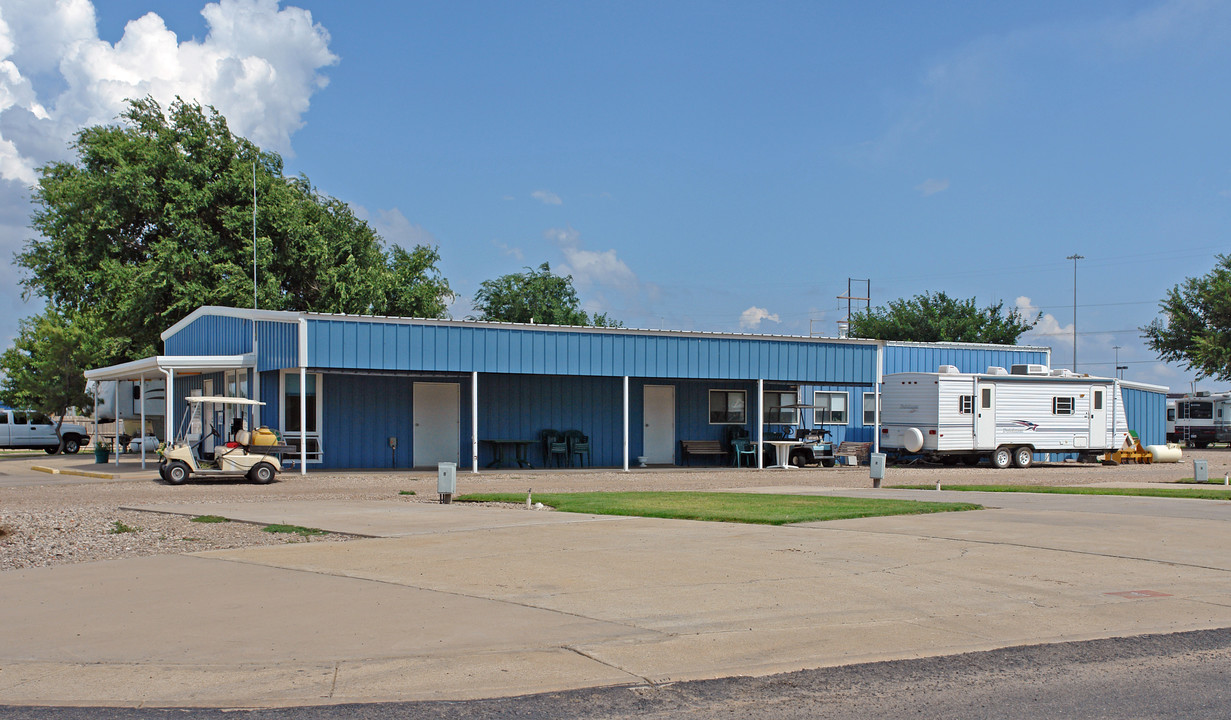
[(446, 481)]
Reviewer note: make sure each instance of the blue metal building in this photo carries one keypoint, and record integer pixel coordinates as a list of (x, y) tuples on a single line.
[(371, 392)]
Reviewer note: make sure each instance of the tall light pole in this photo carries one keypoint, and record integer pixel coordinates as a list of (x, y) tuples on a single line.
[(1075, 257)]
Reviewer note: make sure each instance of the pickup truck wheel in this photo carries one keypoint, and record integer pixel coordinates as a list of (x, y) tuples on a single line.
[(1001, 458), (262, 473), (1023, 456), (52, 450), (177, 472), (71, 445)]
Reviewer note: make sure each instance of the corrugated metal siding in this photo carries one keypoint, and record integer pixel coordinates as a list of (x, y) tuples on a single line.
[(354, 344), (1146, 413), (912, 358), (360, 414), (211, 335), (278, 344), (854, 430), (519, 407)]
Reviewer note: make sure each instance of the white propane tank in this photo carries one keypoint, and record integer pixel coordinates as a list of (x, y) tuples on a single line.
[(1165, 453), (912, 439)]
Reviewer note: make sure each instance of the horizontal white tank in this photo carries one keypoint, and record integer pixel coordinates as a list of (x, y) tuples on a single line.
[(1165, 453)]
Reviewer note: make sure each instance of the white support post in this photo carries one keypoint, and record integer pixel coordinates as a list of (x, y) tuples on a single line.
[(117, 423), (880, 369), (97, 434), (474, 422), (303, 420), (760, 424), (142, 421), (625, 423), (169, 409)]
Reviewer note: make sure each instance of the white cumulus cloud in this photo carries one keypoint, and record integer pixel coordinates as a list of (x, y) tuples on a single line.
[(931, 186), (258, 64), (547, 197), (752, 318)]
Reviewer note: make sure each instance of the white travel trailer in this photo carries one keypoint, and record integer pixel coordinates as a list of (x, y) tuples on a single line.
[(1199, 419), (1004, 416)]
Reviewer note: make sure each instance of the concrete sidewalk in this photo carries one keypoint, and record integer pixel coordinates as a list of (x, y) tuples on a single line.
[(464, 602)]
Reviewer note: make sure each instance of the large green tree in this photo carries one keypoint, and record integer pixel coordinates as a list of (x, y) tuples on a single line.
[(154, 219), (1196, 327), (536, 295), (43, 370), (936, 317)]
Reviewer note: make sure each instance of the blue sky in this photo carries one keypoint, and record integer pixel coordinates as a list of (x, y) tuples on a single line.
[(720, 166)]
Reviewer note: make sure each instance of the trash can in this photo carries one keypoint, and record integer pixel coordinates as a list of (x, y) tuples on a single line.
[(1201, 471), (446, 481), (876, 468)]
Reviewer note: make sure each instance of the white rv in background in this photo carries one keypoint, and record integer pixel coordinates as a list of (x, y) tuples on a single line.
[(1004, 416), (1200, 418), (127, 395)]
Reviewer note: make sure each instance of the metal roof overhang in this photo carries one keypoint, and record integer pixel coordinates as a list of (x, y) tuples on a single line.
[(180, 363)]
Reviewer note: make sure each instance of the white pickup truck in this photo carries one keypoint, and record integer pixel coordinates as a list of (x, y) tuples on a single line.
[(20, 429)]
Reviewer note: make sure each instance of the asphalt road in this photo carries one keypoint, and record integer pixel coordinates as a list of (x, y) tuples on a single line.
[(1183, 675)]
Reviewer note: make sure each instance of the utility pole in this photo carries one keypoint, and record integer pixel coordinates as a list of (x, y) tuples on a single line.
[(845, 325), (1075, 257), (1119, 368)]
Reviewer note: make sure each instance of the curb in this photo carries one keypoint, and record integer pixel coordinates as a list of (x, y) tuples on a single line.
[(82, 473)]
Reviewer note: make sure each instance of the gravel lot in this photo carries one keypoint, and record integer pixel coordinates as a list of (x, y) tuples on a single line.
[(62, 521)]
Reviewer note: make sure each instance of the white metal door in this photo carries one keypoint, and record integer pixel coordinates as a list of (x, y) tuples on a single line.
[(437, 414), (658, 442), (1098, 417), (985, 416)]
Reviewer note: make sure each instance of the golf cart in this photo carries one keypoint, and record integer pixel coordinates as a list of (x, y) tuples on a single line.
[(245, 454), (817, 448)]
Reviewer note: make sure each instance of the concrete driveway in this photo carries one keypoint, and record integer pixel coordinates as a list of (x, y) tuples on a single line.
[(467, 602)]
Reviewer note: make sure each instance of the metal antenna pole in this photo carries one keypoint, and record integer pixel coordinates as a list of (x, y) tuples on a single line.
[(254, 303), (1075, 257)]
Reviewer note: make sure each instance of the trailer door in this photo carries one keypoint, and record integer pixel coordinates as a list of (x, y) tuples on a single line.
[(985, 417), (1098, 417)]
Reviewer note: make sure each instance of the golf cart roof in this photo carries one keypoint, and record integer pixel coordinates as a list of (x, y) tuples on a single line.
[(215, 399)]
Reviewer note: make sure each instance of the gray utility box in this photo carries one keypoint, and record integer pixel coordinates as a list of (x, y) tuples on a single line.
[(1201, 471), (876, 468), (446, 481)]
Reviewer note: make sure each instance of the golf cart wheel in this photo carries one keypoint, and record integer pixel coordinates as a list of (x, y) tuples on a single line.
[(971, 460), (798, 460), (162, 471), (827, 462), (71, 445), (177, 472), (1023, 456), (262, 473), (1002, 458)]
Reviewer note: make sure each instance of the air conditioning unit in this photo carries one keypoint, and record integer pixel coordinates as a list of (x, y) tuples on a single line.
[(996, 370), (949, 370), (1028, 369)]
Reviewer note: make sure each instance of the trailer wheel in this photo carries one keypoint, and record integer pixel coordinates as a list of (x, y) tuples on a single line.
[(1001, 458), (262, 473), (971, 460), (177, 472), (1023, 456)]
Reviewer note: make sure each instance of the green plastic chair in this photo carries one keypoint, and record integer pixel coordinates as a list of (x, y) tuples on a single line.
[(579, 445), (742, 448), (555, 445)]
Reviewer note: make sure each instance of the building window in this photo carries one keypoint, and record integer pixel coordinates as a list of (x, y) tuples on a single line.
[(966, 404), (776, 410), (728, 407), (869, 408), (290, 415), (1062, 406), (829, 408)]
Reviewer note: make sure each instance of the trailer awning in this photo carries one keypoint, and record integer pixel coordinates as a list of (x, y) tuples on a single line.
[(181, 364)]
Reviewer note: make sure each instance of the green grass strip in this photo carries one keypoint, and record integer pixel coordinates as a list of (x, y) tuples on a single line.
[(1189, 493), (210, 519), (293, 529), (725, 507)]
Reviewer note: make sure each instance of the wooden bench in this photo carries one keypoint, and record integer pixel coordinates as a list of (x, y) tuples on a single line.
[(857, 450), (701, 447)]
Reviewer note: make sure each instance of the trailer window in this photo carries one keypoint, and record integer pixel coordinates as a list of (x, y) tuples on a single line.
[(1098, 399), (986, 399), (830, 408), (966, 404), (1062, 406), (728, 407)]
